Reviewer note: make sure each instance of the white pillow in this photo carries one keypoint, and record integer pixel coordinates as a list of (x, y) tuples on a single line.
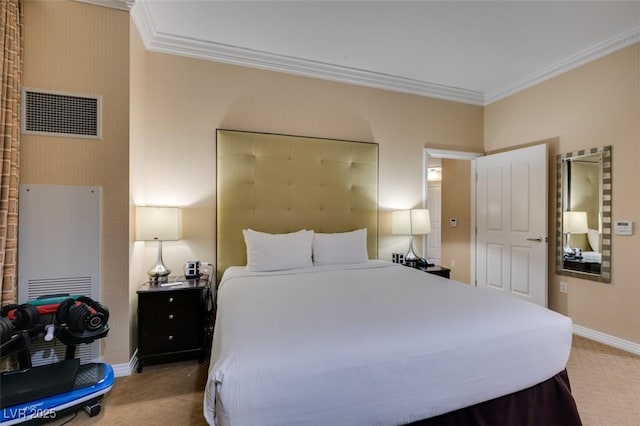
[(277, 252), (340, 248), (594, 239)]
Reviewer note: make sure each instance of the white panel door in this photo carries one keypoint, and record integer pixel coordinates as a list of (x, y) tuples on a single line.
[(434, 239), (511, 221)]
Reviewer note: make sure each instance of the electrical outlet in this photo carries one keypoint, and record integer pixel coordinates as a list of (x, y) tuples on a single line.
[(563, 287), (453, 263)]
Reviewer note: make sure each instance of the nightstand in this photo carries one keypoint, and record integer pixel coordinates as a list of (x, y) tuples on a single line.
[(582, 266), (437, 270), (175, 320)]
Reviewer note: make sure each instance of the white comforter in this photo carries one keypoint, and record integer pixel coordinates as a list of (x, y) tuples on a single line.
[(372, 344)]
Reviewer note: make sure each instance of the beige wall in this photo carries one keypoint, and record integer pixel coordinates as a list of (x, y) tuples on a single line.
[(594, 105), (137, 96), (74, 47), (456, 202), (187, 99)]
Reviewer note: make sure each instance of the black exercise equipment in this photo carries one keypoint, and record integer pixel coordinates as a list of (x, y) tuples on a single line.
[(62, 386)]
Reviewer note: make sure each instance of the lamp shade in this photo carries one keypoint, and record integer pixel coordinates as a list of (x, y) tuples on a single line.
[(410, 222), (420, 222), (401, 222), (158, 223), (574, 223)]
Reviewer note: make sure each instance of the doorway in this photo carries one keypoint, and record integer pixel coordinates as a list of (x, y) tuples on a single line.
[(507, 234), (453, 218), (434, 198)]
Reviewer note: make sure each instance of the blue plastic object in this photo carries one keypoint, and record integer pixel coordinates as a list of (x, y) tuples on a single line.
[(50, 407)]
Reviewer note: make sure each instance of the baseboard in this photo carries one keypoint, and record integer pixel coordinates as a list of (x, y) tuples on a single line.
[(126, 369), (607, 339)]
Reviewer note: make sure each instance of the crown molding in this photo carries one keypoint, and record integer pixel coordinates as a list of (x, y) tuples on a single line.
[(157, 41), (590, 54), (219, 52), (280, 63), (113, 4)]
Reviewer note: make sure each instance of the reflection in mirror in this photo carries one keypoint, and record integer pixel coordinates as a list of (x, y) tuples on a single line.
[(584, 214)]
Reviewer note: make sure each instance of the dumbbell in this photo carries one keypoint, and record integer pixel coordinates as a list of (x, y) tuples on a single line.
[(82, 314), (20, 317)]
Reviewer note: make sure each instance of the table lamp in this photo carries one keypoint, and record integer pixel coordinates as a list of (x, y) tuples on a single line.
[(411, 222), (158, 224), (574, 223)]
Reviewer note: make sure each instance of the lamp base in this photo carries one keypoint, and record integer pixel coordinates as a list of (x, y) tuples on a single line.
[(412, 259), (411, 256), (158, 272), (154, 278)]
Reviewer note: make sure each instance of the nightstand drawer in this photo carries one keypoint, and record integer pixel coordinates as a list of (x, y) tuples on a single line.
[(170, 317), (188, 300), (170, 339)]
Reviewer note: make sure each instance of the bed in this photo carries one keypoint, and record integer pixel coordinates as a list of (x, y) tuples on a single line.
[(374, 343), (312, 330)]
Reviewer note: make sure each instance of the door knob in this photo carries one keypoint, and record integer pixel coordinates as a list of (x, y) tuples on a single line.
[(538, 240)]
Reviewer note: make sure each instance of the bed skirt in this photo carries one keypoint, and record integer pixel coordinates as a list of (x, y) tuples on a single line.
[(547, 403)]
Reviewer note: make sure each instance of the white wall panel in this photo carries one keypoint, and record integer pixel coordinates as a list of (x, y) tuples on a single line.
[(59, 252)]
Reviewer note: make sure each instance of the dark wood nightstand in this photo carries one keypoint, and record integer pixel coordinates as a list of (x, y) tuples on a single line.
[(437, 270), (175, 320), (582, 266)]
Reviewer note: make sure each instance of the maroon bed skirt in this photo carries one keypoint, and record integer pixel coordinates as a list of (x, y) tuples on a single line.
[(548, 403)]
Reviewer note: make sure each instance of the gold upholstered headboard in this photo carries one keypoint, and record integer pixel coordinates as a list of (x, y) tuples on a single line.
[(277, 184)]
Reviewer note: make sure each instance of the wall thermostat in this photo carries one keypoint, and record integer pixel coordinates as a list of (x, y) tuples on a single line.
[(623, 227)]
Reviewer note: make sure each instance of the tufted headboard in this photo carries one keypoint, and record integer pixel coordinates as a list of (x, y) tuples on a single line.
[(277, 184)]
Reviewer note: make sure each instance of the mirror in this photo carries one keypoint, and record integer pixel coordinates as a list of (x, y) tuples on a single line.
[(583, 234)]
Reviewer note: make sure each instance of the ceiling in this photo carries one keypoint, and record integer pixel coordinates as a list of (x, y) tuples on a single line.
[(469, 51)]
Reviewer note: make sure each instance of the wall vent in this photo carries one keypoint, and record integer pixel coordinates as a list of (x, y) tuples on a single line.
[(72, 285), (51, 113)]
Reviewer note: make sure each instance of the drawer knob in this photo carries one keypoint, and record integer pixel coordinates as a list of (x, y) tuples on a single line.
[(171, 300), (170, 316), (170, 337)]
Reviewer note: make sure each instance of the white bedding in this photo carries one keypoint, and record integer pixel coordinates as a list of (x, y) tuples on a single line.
[(592, 256), (370, 344)]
